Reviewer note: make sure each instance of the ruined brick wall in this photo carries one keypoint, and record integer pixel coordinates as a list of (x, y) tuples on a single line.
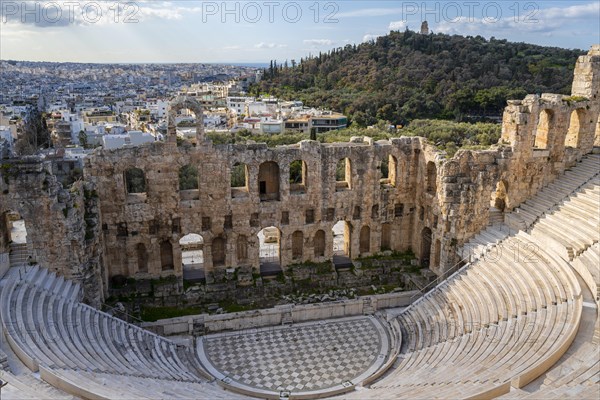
[(60, 234), (222, 214)]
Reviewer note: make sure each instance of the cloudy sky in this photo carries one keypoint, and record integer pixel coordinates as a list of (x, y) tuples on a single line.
[(258, 31)]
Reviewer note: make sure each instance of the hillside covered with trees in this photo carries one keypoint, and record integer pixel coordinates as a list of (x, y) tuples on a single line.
[(406, 75)]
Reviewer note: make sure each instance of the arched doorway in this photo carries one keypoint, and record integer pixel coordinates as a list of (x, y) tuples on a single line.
[(13, 241), (499, 200), (342, 235), (269, 240), (425, 247), (192, 257)]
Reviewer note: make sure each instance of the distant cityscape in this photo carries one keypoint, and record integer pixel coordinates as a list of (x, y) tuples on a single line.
[(84, 106)]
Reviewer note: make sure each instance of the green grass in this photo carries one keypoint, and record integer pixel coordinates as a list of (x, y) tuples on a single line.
[(230, 307), (151, 314)]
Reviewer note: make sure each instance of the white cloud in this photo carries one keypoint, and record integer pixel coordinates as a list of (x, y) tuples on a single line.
[(543, 21), (368, 37), (263, 45), (318, 42), (397, 25), (63, 13)]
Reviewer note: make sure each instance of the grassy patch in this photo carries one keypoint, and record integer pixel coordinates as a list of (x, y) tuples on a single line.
[(151, 314)]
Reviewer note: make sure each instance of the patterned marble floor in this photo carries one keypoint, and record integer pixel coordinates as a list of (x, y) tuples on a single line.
[(299, 358)]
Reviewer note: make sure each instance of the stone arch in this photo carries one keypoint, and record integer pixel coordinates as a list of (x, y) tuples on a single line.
[(342, 239), (499, 199), (577, 125), (218, 250), (386, 237), (192, 252), (542, 131), (142, 257), (185, 103), (425, 246), (431, 177), (269, 240), (135, 181), (298, 176), (297, 245), (242, 248), (166, 255), (268, 181), (239, 180), (343, 174), (365, 240), (188, 177), (319, 243)]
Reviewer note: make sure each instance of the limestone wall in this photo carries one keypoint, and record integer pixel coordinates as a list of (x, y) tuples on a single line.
[(234, 216), (55, 220)]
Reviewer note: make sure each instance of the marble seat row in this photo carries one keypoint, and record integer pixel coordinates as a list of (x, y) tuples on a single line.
[(101, 385), (48, 330), (554, 193), (499, 322), (518, 279), (587, 264)]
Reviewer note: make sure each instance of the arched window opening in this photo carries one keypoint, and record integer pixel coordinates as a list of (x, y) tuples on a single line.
[(343, 174), (319, 244), (298, 177), (542, 130), (365, 240), (268, 181), (576, 128), (297, 245), (218, 251), (388, 168), (239, 180), (135, 181), (166, 255), (188, 178)]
